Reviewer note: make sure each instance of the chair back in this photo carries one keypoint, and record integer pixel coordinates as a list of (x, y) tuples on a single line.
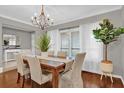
[(77, 65), (68, 66), (20, 64), (62, 54), (50, 53), (35, 69)]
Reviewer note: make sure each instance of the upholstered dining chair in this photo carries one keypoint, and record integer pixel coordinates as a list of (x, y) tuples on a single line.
[(72, 78), (62, 54), (36, 72), (22, 69), (50, 53)]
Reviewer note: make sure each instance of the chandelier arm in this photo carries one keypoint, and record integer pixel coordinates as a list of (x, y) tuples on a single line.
[(34, 21), (40, 24), (37, 22)]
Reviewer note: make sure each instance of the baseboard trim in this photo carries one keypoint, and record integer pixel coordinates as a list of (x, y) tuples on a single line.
[(1, 69), (9, 68)]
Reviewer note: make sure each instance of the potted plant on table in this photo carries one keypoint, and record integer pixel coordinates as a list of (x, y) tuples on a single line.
[(107, 34), (44, 44)]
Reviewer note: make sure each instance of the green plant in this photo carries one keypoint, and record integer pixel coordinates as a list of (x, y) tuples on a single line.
[(107, 33), (44, 42), (6, 42)]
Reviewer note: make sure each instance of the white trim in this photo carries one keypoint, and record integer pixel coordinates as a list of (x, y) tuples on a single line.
[(1, 69), (9, 69), (73, 29), (14, 19)]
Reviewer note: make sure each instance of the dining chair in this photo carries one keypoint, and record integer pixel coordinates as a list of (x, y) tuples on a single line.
[(37, 76), (62, 54), (50, 53), (22, 68), (73, 78)]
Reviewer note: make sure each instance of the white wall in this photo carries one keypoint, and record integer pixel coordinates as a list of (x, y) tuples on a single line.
[(1, 44), (122, 45), (122, 56)]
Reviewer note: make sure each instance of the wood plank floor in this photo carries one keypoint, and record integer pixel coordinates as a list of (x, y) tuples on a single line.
[(91, 80)]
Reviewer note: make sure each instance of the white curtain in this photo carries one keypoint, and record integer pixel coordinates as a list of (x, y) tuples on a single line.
[(93, 49), (55, 40)]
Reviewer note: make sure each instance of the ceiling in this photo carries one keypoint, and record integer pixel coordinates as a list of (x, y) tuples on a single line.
[(60, 13)]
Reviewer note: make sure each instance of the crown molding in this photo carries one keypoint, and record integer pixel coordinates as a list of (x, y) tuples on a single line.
[(14, 19), (91, 15)]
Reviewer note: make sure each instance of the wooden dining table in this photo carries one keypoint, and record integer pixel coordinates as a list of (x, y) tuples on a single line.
[(54, 65)]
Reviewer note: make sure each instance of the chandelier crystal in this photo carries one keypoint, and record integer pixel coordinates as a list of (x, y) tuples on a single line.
[(42, 21)]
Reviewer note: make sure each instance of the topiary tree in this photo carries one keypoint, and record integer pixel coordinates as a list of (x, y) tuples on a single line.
[(107, 34)]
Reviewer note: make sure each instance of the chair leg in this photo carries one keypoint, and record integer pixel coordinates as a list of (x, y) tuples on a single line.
[(30, 76), (18, 78), (105, 75), (23, 81), (111, 77), (101, 76)]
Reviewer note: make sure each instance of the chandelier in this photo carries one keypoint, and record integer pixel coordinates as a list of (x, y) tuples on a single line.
[(42, 21)]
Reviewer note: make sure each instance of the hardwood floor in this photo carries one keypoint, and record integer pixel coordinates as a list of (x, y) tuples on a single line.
[(91, 80)]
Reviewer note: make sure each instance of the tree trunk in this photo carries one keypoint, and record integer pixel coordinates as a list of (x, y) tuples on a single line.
[(106, 52)]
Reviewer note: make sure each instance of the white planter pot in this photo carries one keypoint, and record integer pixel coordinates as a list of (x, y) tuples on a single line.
[(44, 54), (106, 67)]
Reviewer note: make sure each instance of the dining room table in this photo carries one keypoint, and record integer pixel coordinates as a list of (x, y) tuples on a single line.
[(53, 65)]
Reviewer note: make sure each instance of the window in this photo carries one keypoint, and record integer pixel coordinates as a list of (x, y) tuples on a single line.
[(70, 41), (9, 39), (65, 42), (75, 43)]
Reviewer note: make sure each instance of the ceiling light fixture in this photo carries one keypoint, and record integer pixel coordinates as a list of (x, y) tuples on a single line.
[(42, 21)]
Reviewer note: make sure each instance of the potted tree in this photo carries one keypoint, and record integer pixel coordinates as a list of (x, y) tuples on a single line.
[(44, 44), (107, 34)]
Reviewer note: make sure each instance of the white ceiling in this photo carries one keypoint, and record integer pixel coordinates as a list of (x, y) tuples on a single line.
[(60, 13)]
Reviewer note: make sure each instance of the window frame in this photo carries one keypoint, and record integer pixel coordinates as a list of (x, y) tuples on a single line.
[(70, 31)]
